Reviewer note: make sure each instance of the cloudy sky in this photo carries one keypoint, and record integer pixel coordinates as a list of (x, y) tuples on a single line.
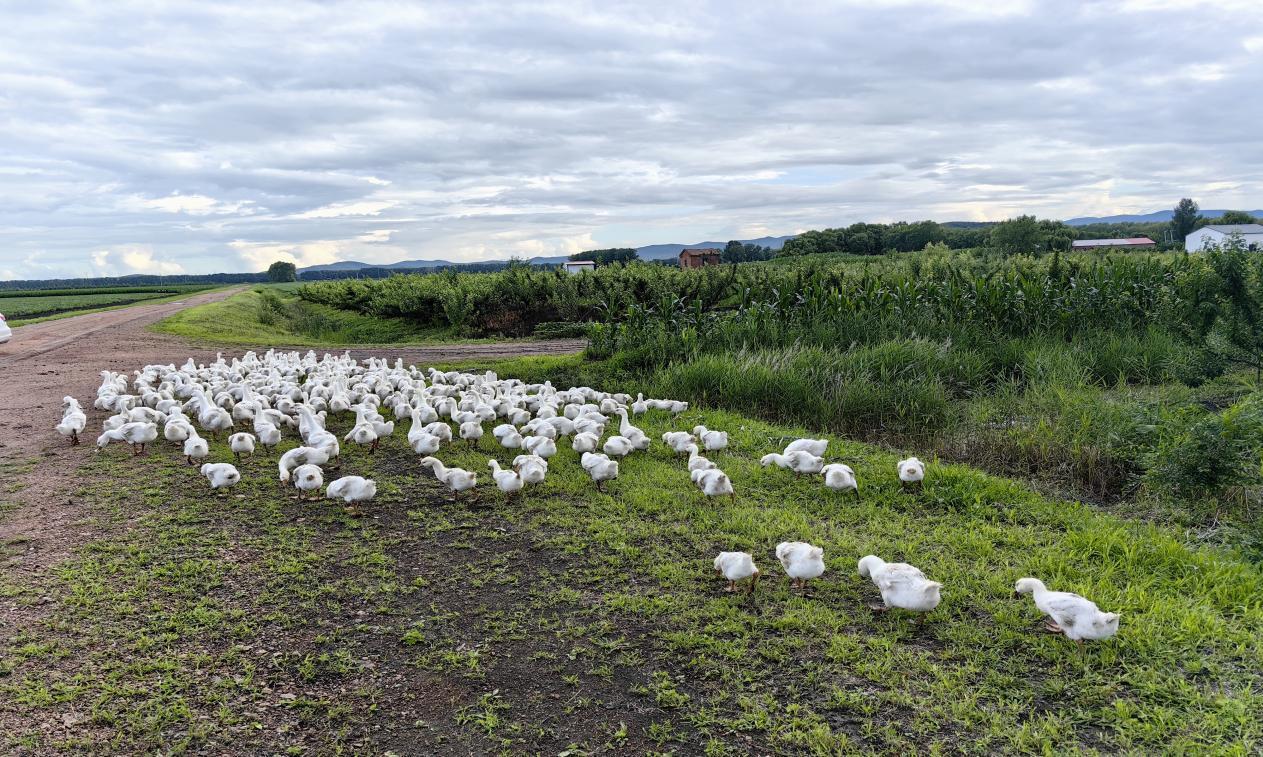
[(156, 138)]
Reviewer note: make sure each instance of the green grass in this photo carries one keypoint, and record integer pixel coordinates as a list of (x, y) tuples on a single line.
[(575, 620), (273, 315), (26, 307)]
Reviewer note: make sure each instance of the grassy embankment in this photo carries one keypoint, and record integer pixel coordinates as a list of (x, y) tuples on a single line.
[(271, 315), (575, 620), (22, 308)]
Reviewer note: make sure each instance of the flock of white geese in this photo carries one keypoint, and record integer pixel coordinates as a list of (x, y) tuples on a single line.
[(283, 392)]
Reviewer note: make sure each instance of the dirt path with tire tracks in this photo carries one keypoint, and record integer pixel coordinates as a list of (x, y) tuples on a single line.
[(40, 524)]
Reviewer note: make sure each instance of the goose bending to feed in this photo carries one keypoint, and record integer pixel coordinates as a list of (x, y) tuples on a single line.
[(585, 442), (902, 585), (135, 433), (799, 461), (471, 431), (911, 473), (1070, 614), (802, 562), (308, 479), (540, 446), (713, 483), (299, 456), (839, 477), (352, 490), (532, 468), (221, 475), (618, 446), (711, 441), (678, 441), (737, 566), (814, 446), (241, 443), (600, 468), (507, 480), (423, 443), (456, 479)]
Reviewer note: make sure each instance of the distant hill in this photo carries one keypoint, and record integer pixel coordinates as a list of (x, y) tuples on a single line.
[(355, 265), (666, 251), (648, 252), (1160, 216)]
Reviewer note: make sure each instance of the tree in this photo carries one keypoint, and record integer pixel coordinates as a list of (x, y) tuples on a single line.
[(1184, 219), (608, 255), (1235, 217), (1237, 333), (282, 271), (1016, 236)]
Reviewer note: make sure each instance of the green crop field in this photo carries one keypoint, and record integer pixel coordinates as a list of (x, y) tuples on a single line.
[(22, 306)]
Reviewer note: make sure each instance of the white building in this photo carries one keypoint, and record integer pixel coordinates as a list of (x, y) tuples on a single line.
[(1217, 236), (579, 266)]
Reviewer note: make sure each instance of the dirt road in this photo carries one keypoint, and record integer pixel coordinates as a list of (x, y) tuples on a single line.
[(47, 361)]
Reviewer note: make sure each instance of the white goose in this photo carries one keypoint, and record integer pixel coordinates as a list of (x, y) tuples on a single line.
[(308, 478), (799, 461), (839, 477), (352, 490), (540, 446), (813, 446), (802, 562), (221, 475), (73, 420), (679, 441), (1070, 614), (600, 468), (902, 585), (456, 479), (135, 433), (508, 480), (713, 483), (737, 566), (241, 443), (911, 473), (711, 441), (618, 446), (532, 468), (195, 448), (585, 442), (696, 461)]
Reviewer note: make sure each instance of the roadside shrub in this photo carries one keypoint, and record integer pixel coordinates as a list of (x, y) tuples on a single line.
[(1208, 454)]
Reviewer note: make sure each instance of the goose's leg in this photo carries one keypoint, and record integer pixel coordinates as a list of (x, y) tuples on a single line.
[(754, 582)]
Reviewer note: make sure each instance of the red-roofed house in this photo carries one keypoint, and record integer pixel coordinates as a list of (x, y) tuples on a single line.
[(696, 258)]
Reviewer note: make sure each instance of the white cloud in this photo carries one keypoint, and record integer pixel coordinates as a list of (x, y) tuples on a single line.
[(338, 210), (464, 131), (133, 258), (194, 205)]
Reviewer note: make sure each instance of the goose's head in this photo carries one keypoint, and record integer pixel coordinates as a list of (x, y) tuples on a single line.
[(868, 564), (1107, 621), (1027, 586), (768, 459)]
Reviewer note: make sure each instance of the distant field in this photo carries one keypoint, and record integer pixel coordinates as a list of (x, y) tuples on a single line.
[(24, 306)]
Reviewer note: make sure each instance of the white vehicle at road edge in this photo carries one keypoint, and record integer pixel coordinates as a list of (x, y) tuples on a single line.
[(5, 332)]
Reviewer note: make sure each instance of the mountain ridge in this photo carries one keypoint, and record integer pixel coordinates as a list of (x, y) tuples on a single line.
[(647, 252)]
